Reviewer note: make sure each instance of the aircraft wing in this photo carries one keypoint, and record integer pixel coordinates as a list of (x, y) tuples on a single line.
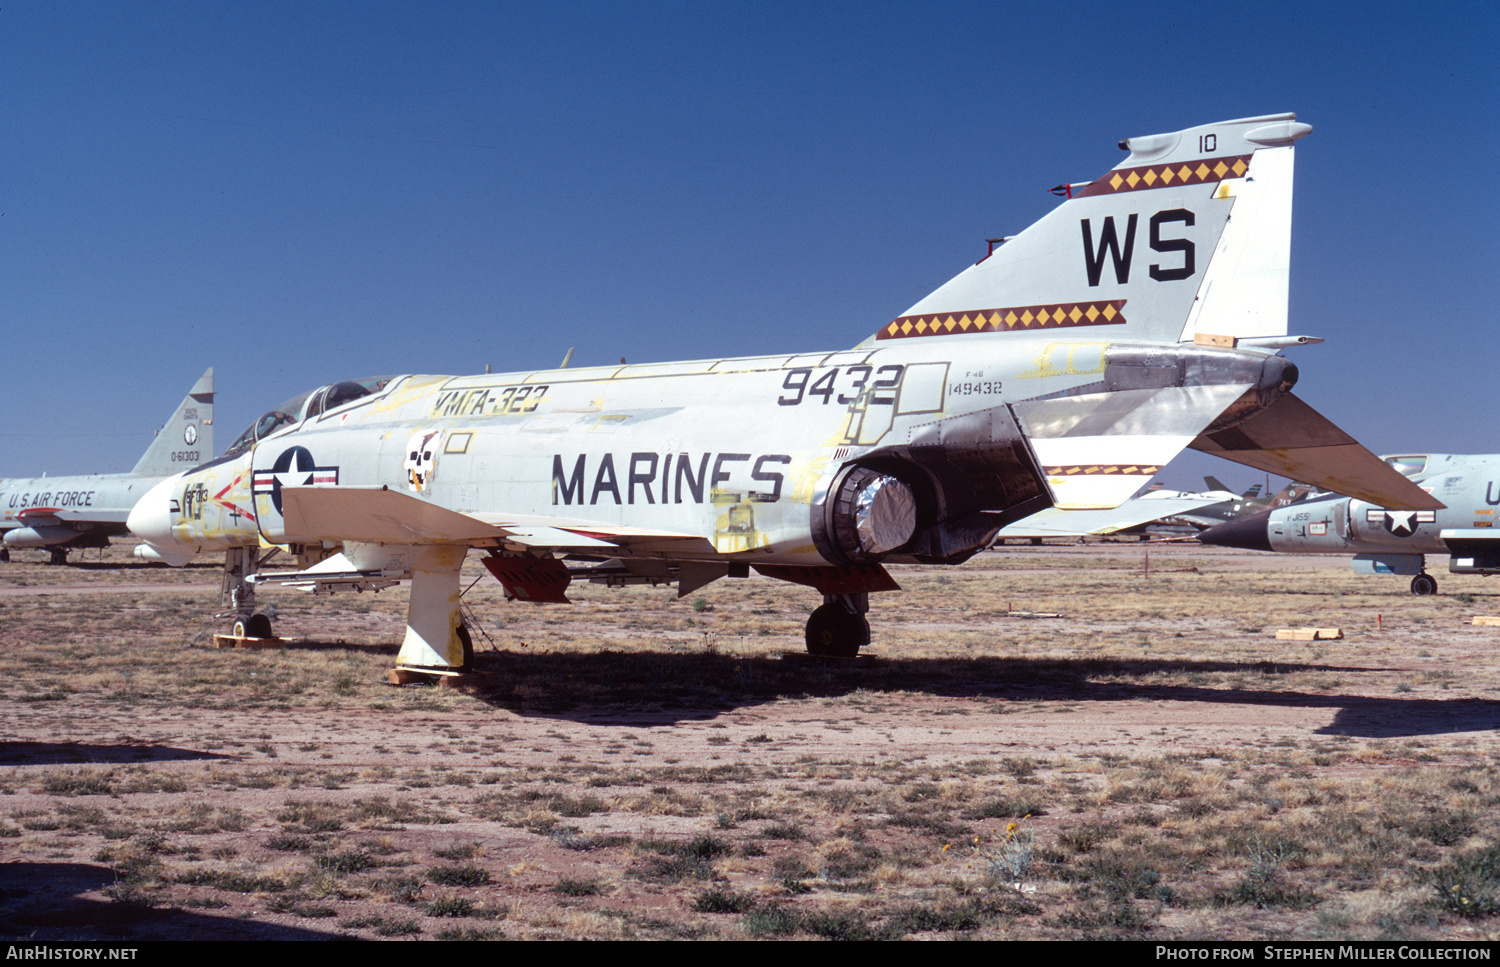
[(1294, 440), (1077, 523), (51, 516), (382, 516)]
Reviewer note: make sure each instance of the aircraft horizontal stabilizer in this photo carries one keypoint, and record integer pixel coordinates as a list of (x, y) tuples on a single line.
[(1294, 440)]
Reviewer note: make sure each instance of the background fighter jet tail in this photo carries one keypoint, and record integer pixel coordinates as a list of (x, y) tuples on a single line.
[(61, 513), (189, 434), (1164, 265)]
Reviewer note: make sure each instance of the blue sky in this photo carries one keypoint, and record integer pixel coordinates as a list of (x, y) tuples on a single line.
[(295, 193)]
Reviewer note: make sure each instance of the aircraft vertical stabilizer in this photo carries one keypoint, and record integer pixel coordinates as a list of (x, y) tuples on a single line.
[(188, 437), (1106, 257)]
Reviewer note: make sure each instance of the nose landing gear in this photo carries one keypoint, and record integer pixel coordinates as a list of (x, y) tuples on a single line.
[(257, 625)]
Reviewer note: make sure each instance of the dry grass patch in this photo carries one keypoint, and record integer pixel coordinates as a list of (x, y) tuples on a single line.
[(1149, 765)]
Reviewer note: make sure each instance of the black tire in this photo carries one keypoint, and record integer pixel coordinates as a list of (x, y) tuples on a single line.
[(4, 555), (468, 643), (59, 556), (833, 632), (1423, 584), (255, 626)]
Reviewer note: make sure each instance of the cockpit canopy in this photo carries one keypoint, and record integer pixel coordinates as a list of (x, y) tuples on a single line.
[(1410, 464), (305, 406)]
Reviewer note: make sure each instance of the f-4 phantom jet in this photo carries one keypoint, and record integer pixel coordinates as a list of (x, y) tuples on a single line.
[(62, 513), (1385, 539), (1064, 368)]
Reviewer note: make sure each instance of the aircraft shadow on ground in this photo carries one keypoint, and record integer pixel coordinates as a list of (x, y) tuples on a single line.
[(41, 902), (80, 753), (656, 688), (339, 646), (1398, 597), (128, 566)]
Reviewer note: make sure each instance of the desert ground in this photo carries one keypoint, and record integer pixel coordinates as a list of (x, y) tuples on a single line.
[(1053, 742)]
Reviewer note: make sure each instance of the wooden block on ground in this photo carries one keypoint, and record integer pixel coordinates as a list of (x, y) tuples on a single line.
[(1490, 620), (233, 641), (443, 678), (468, 681), (1309, 634)]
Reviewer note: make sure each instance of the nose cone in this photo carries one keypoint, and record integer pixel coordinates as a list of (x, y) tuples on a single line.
[(151, 517), (1249, 532), (151, 520)]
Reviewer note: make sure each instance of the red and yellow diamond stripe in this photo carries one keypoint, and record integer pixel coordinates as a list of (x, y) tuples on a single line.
[(1017, 318), (1164, 176), (1108, 469)]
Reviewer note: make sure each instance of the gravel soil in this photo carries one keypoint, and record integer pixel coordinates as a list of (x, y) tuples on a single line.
[(641, 767)]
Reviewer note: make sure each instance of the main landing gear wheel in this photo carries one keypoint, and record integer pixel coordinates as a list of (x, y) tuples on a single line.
[(255, 626), (833, 631), (1423, 585), (468, 643), (59, 556)]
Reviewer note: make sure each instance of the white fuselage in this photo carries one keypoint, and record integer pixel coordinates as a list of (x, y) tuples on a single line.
[(736, 452)]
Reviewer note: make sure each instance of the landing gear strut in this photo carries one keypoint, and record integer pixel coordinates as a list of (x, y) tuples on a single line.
[(1424, 584), (437, 640), (237, 592), (838, 629)]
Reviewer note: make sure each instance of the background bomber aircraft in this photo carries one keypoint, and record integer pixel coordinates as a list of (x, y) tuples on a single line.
[(61, 513), (1065, 369), (1390, 540)]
